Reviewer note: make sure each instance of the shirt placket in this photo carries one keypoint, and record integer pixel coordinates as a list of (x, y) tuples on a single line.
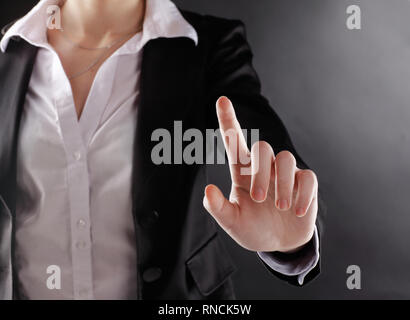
[(78, 197), (76, 136)]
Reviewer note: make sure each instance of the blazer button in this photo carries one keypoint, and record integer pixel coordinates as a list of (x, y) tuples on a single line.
[(152, 274), (149, 219)]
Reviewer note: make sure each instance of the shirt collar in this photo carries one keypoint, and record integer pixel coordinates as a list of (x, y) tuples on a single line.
[(162, 20)]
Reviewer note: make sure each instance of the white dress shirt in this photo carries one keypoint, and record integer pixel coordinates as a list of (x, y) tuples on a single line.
[(74, 176)]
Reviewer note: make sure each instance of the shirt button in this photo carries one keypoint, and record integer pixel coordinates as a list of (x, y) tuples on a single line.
[(152, 274), (77, 155), (81, 245), (81, 223), (148, 220)]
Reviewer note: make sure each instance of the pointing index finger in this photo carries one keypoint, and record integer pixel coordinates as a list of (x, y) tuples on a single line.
[(234, 141)]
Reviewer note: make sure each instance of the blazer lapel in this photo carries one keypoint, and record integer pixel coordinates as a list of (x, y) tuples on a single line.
[(168, 80), (16, 66)]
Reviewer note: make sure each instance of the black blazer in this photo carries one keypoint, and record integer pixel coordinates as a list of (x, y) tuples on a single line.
[(180, 254)]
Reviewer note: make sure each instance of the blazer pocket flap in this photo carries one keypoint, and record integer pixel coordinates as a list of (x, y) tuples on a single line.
[(211, 266)]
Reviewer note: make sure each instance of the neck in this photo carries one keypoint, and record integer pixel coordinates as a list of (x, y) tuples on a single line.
[(102, 18)]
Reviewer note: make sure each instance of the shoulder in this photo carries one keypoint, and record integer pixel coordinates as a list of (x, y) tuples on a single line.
[(214, 28), (208, 21)]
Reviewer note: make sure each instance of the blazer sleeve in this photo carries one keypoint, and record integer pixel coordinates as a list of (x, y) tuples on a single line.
[(229, 72)]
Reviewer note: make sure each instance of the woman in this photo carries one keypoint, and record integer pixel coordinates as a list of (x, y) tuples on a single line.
[(86, 214)]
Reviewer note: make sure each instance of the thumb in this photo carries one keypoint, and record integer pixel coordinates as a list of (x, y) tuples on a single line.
[(223, 211)]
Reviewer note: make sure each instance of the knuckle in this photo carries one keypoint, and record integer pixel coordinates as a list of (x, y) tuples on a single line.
[(286, 156), (264, 150), (265, 145), (262, 145), (309, 175)]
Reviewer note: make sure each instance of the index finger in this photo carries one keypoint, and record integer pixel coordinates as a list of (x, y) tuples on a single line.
[(234, 140)]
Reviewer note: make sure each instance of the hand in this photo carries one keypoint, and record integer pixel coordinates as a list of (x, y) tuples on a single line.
[(272, 209)]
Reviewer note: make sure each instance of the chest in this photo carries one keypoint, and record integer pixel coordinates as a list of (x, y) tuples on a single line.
[(53, 140), (51, 133), (81, 88), (81, 66)]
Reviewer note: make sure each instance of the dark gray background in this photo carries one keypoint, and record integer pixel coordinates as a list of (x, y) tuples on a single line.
[(344, 96)]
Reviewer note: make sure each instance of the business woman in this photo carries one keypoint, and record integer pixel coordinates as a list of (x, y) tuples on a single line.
[(84, 211)]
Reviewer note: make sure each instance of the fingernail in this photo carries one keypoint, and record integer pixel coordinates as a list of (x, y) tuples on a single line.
[(259, 194), (283, 204), (300, 212)]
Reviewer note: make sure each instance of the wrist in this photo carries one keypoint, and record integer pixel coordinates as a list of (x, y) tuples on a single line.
[(297, 248)]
